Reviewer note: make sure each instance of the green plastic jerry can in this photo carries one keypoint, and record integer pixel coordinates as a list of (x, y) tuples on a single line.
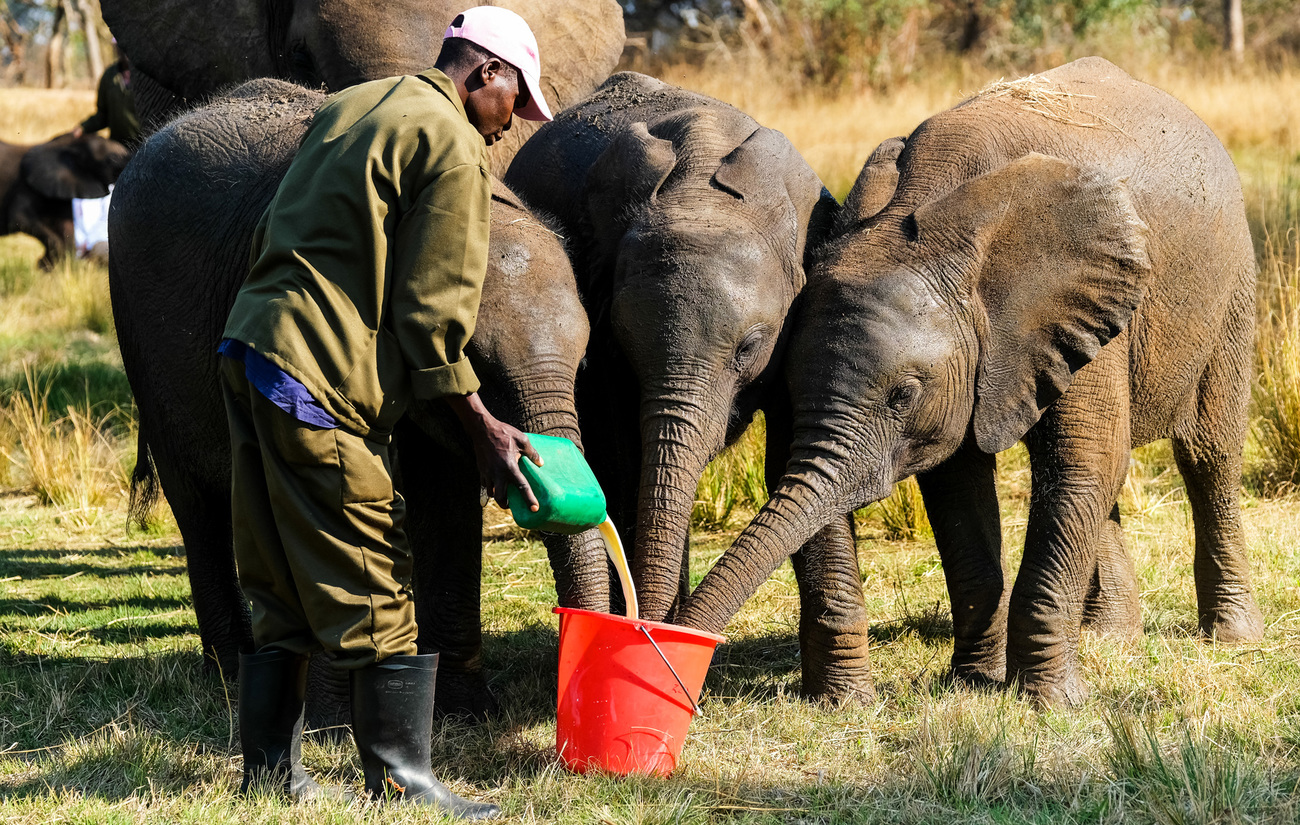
[(570, 499)]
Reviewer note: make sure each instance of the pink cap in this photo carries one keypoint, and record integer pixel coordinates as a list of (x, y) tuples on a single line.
[(507, 36)]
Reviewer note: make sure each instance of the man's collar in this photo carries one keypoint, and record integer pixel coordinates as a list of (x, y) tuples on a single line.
[(440, 81)]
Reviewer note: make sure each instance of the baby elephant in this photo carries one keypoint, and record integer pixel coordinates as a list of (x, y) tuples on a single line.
[(1064, 261), (38, 183)]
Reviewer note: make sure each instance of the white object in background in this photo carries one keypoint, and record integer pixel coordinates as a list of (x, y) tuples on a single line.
[(90, 222)]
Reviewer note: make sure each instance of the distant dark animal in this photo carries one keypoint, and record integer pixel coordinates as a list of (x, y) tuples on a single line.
[(38, 183)]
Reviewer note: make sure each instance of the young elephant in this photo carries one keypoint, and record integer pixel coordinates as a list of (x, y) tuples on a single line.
[(181, 230), (689, 223), (38, 183), (1066, 261)]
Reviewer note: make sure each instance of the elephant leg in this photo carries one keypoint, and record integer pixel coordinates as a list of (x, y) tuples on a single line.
[(961, 500), (1208, 452), (1111, 606), (444, 524), (833, 626), (607, 397), (1079, 453), (202, 509)]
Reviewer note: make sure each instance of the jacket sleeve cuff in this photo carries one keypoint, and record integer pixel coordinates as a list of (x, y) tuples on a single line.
[(450, 379)]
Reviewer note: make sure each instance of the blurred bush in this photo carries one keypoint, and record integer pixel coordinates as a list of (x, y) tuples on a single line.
[(878, 43)]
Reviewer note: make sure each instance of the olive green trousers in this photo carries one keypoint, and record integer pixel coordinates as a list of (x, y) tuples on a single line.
[(322, 556)]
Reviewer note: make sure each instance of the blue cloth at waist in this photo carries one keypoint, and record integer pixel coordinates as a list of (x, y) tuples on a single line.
[(279, 387)]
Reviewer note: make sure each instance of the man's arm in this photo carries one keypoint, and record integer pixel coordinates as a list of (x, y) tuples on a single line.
[(440, 260), (99, 120), (497, 448)]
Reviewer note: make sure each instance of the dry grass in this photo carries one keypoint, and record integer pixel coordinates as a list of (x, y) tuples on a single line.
[(36, 115)]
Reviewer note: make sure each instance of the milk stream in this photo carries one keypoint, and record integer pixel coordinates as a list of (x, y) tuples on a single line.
[(614, 547)]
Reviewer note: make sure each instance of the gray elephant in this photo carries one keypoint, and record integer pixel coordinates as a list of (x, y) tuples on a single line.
[(185, 51), (689, 223), (38, 183), (1066, 261), (181, 231)]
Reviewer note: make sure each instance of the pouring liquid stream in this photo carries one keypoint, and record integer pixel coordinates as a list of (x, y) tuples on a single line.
[(614, 549)]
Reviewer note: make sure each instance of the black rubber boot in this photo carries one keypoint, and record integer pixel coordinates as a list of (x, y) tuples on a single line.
[(392, 721), (271, 690)]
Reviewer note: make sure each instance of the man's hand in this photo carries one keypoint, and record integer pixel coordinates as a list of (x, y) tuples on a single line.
[(497, 447)]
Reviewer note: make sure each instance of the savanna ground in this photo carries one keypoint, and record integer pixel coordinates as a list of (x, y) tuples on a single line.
[(107, 714)]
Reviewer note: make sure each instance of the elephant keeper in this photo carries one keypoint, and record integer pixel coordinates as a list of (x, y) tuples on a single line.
[(367, 269)]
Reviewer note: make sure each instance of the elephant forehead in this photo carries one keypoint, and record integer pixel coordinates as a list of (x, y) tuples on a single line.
[(896, 319)]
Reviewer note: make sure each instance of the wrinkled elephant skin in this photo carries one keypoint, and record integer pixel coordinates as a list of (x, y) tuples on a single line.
[(188, 50)]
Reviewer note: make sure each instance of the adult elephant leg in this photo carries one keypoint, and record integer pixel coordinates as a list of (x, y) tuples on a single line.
[(1208, 452), (1111, 606), (962, 503), (1078, 455), (444, 523)]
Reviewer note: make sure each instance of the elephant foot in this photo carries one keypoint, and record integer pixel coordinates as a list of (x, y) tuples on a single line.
[(1117, 617), (979, 665), (1235, 621), (1067, 689), (465, 694), (845, 681), (858, 691)]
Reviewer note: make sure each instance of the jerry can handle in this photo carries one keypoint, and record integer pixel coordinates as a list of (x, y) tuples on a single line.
[(695, 709)]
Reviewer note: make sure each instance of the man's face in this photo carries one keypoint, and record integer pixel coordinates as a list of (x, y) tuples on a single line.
[(494, 94)]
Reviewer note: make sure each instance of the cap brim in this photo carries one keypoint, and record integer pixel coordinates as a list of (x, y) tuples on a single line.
[(536, 108)]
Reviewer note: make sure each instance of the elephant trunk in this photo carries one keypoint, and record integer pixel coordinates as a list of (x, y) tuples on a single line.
[(546, 407), (675, 450), (809, 495)]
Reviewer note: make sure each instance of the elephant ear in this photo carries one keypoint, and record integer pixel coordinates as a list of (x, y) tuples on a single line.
[(875, 185), (1061, 265), (625, 178), (81, 168), (192, 47), (502, 194), (748, 171)]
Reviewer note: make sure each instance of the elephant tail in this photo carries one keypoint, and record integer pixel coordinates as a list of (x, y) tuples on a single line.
[(144, 485)]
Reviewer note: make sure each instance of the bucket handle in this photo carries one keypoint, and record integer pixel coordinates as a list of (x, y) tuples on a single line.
[(695, 709)]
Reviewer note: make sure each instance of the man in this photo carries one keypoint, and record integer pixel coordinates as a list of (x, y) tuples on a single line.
[(364, 287), (114, 105)]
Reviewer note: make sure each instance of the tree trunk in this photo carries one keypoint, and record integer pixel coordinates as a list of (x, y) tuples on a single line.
[(1234, 30), (73, 23), (90, 26), (54, 52)]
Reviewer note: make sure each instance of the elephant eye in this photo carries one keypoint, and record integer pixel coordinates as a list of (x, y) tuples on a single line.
[(748, 350), (302, 67), (903, 395)]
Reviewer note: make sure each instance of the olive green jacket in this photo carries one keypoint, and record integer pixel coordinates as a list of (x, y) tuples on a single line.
[(367, 267)]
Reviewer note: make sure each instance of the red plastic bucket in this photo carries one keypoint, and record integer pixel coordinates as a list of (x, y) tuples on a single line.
[(627, 691)]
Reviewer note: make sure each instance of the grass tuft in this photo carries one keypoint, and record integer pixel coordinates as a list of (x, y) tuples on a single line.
[(1275, 428), (75, 462)]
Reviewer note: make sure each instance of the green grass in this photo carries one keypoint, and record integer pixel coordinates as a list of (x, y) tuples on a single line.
[(108, 715)]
